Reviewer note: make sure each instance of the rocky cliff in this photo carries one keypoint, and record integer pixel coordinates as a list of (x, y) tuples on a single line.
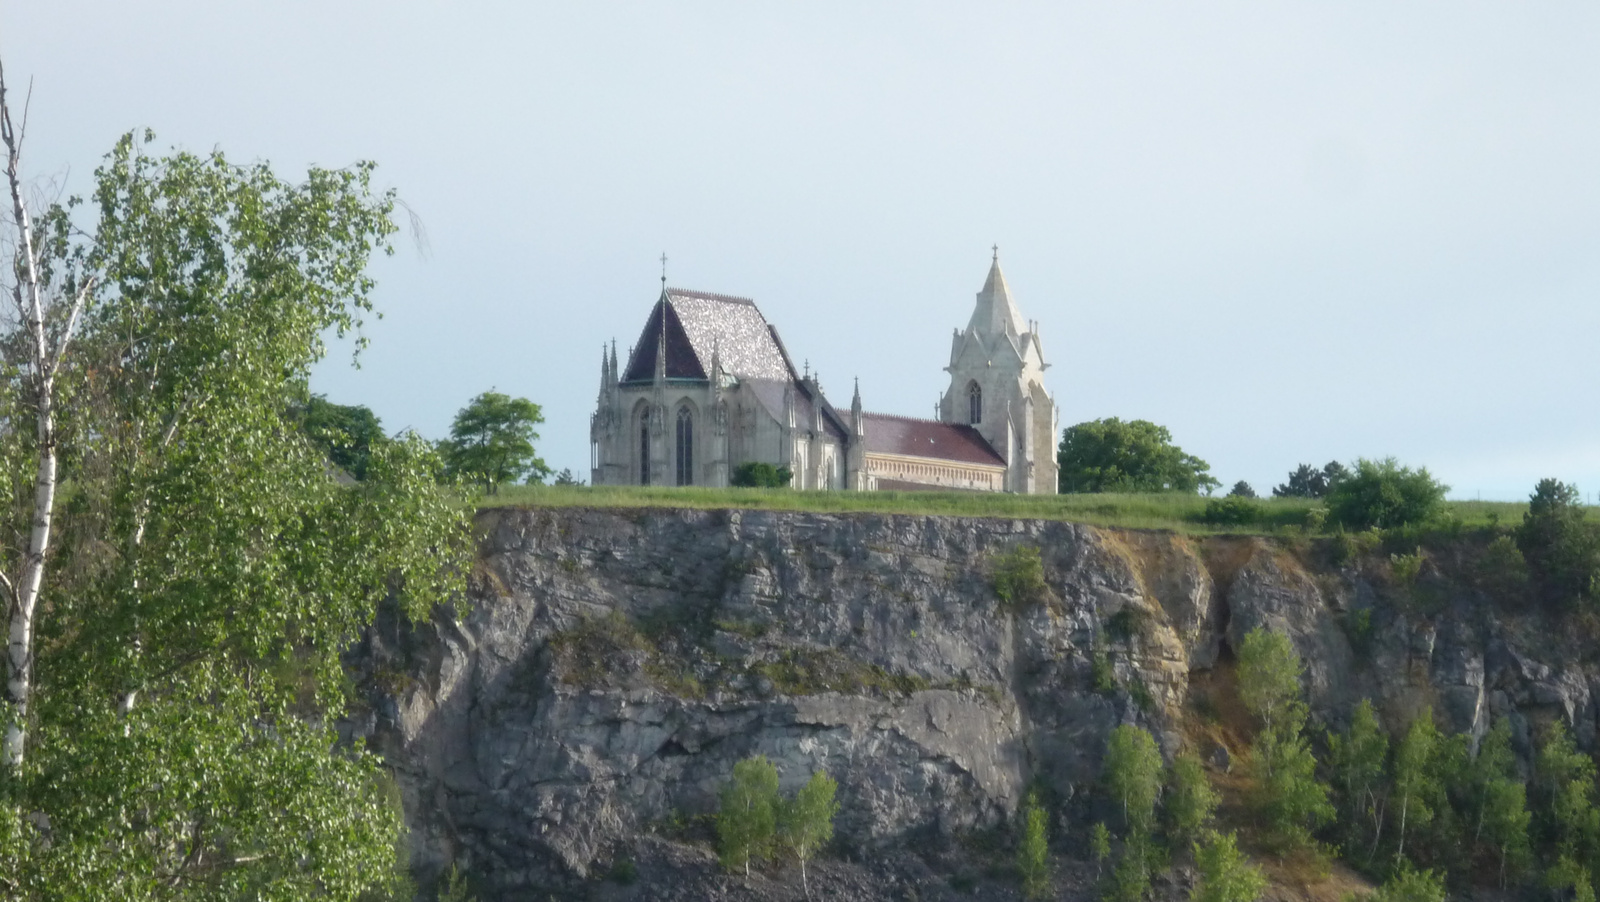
[(616, 663)]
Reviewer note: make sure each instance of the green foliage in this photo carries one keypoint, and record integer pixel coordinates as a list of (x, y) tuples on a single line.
[(1410, 885), (1357, 762), (1224, 874), (1241, 489), (346, 434), (1134, 456), (1234, 510), (203, 546), (1019, 578), (1505, 821), (566, 478), (1033, 851), (1130, 879), (1132, 771), (1418, 793), (805, 823), (1567, 782), (747, 818), (491, 442), (1382, 494), (454, 887), (1405, 568), (1502, 570), (756, 475), (1562, 550), (1289, 800), (1500, 800), (1570, 880), (1269, 680), (1190, 800), (1101, 674), (624, 872), (1099, 846), (1288, 797), (1307, 481)]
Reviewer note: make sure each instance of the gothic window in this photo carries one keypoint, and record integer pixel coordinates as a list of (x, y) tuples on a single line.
[(644, 449), (974, 403), (685, 447)]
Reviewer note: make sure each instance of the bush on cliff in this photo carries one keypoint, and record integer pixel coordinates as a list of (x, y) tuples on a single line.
[(1562, 550)]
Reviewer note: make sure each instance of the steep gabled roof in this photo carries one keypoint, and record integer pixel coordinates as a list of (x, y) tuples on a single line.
[(912, 437), (698, 324)]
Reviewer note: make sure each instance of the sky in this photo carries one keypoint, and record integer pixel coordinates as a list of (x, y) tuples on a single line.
[(1288, 232)]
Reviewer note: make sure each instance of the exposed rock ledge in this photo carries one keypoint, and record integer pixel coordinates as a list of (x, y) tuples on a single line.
[(616, 663)]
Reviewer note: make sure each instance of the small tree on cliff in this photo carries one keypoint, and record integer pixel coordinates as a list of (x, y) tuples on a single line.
[(1225, 874), (1133, 776), (1288, 796), (1191, 802), (805, 823), (1033, 852), (748, 817)]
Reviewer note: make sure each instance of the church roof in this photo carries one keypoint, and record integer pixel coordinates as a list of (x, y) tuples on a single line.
[(912, 437), (996, 313), (698, 323)]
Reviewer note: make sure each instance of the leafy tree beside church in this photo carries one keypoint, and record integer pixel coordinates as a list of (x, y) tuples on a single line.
[(1114, 455), (491, 442)]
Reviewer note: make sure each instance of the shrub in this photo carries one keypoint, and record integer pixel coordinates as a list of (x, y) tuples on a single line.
[(1234, 510), (1241, 489), (1225, 874), (1382, 494), (1561, 549), (756, 475), (1502, 569), (1406, 568), (1019, 578)]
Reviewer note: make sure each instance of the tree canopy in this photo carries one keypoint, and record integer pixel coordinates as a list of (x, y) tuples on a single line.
[(345, 433), (1111, 455), (206, 571), (1561, 547), (1382, 494), (1307, 481), (491, 441)]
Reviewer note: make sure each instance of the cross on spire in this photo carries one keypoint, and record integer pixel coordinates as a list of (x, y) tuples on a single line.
[(663, 269), (997, 253)]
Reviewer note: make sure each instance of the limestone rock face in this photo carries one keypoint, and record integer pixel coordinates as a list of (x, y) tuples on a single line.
[(615, 664)]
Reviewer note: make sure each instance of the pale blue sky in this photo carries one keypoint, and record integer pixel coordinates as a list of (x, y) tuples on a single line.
[(1288, 232)]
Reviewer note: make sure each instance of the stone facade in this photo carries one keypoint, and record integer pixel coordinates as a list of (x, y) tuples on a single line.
[(710, 387)]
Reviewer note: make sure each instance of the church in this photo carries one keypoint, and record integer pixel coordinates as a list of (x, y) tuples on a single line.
[(710, 386)]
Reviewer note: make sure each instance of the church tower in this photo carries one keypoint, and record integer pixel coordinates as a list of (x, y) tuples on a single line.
[(997, 387)]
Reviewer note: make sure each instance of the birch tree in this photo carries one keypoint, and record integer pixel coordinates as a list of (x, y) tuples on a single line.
[(184, 610), (48, 293)]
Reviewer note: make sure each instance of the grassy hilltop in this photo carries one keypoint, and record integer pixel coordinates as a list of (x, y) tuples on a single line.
[(1169, 511)]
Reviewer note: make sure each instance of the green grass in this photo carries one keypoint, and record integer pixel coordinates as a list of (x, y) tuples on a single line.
[(1179, 513)]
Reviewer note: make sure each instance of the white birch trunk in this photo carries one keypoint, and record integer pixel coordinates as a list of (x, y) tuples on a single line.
[(44, 361)]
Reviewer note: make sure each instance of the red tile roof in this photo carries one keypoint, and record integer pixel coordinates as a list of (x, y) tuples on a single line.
[(926, 438)]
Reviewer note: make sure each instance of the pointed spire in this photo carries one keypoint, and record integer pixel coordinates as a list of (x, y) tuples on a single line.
[(661, 346), (996, 313)]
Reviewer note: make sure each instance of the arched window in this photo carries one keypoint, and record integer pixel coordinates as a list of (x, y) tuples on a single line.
[(974, 403), (685, 447), (644, 448)]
